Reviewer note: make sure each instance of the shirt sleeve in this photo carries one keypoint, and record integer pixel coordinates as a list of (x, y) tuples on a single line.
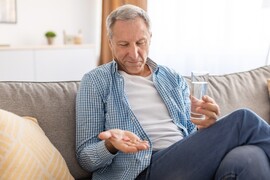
[(90, 119), (186, 92)]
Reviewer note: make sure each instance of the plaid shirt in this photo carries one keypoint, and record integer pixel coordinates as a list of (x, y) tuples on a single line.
[(102, 105)]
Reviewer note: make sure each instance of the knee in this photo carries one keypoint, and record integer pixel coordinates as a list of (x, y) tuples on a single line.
[(248, 161), (245, 115), (245, 155), (244, 112)]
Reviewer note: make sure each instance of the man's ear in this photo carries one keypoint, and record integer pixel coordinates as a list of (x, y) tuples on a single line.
[(111, 47), (110, 43), (150, 38)]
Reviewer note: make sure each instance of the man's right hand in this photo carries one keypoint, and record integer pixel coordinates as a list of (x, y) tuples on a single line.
[(120, 140)]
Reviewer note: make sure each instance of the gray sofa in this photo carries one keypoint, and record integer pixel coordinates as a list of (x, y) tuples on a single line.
[(53, 104)]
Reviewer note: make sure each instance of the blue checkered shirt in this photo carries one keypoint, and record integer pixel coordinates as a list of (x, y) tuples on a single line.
[(101, 104)]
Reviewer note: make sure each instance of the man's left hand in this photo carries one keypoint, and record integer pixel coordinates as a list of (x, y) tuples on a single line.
[(209, 108)]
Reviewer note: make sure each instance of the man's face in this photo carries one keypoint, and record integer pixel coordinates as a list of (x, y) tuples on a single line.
[(130, 45)]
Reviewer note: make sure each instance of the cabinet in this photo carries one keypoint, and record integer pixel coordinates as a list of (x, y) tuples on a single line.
[(47, 63)]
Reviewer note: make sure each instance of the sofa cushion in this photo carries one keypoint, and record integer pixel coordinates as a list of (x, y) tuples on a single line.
[(26, 152), (53, 104), (242, 90)]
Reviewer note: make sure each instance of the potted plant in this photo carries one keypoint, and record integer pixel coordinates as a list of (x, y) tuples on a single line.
[(50, 35)]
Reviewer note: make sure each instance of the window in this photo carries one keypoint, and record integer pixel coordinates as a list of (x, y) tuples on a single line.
[(7, 11), (220, 36)]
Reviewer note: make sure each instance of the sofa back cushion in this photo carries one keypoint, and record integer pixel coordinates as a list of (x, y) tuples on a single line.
[(53, 105), (242, 90)]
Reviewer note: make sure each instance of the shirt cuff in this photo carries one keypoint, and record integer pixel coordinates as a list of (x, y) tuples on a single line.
[(103, 152)]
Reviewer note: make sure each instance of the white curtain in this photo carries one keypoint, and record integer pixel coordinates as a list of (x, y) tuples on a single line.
[(219, 36)]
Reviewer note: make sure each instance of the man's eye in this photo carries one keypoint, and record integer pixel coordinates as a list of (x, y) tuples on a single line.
[(123, 44), (141, 43)]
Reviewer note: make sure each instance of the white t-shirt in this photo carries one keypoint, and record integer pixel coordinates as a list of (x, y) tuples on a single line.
[(151, 111)]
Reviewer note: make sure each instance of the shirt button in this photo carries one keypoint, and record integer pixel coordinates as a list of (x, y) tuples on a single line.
[(133, 118), (146, 157)]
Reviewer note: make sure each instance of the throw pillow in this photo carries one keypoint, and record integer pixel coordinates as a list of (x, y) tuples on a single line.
[(26, 152)]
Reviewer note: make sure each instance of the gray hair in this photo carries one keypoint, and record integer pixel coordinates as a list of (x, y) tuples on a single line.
[(126, 12)]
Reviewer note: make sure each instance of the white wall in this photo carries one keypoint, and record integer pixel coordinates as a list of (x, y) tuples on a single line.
[(35, 17)]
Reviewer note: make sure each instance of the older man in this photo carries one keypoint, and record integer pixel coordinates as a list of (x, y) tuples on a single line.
[(133, 119)]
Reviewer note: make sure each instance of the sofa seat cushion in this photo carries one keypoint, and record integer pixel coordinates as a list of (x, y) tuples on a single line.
[(26, 152)]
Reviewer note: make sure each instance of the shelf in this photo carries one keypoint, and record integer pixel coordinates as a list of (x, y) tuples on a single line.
[(57, 46), (46, 63)]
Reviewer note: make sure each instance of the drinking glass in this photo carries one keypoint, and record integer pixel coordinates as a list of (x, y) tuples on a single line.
[(199, 83)]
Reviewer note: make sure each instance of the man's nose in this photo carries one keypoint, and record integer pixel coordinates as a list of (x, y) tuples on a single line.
[(133, 51)]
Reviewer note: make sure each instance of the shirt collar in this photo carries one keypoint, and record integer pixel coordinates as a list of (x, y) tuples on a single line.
[(149, 62)]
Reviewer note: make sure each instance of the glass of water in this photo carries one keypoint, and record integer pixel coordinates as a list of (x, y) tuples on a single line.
[(199, 83)]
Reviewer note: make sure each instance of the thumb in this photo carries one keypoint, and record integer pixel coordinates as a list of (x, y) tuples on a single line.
[(194, 99), (105, 135)]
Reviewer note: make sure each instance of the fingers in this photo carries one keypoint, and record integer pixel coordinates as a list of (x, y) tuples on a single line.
[(212, 106), (208, 99), (134, 141), (138, 144), (203, 123), (124, 141), (131, 146), (209, 108)]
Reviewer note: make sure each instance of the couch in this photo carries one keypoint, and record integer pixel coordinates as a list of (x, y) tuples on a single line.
[(53, 105)]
